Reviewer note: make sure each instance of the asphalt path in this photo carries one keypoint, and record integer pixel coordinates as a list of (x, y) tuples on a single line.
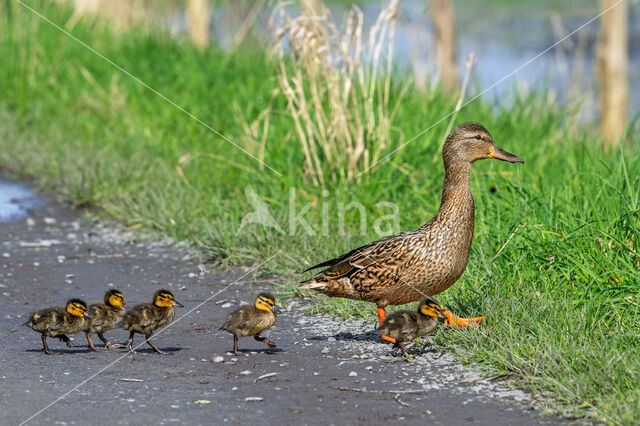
[(324, 370)]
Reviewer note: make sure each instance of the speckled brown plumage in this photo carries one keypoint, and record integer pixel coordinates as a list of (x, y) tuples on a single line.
[(411, 265), (106, 316), (405, 326), (146, 318), (251, 320), (59, 321)]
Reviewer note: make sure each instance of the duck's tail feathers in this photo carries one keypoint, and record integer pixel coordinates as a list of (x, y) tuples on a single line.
[(312, 284)]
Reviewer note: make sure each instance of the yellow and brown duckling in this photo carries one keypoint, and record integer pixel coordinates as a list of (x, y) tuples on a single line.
[(251, 320), (148, 317), (59, 321), (414, 264), (106, 316), (405, 326)]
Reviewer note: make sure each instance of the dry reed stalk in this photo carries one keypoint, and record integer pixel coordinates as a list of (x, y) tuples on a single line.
[(337, 85)]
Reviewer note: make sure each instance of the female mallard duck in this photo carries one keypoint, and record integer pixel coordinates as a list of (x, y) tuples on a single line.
[(251, 320), (148, 317), (414, 264), (106, 316), (60, 321), (404, 326)]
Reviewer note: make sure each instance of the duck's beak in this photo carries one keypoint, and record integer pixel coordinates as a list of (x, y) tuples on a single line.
[(124, 305), (500, 154), (441, 314), (276, 309), (177, 304), (88, 315)]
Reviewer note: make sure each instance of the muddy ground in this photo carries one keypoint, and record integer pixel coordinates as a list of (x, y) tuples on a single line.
[(324, 371)]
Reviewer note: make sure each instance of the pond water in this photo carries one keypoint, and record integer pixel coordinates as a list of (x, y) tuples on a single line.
[(15, 201), (502, 35)]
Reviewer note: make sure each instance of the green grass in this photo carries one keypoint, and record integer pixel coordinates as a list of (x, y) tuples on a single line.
[(561, 297)]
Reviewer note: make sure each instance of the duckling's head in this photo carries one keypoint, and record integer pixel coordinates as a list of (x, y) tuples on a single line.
[(266, 302), (469, 142), (78, 308), (114, 298), (165, 299), (431, 308)]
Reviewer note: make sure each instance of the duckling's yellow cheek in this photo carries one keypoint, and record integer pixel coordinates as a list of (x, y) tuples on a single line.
[(115, 301), (164, 302)]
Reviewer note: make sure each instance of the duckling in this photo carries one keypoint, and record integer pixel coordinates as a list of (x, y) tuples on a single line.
[(107, 315), (148, 317), (251, 320), (59, 321), (404, 326)]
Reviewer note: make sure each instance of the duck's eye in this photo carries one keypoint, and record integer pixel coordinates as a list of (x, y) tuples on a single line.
[(479, 137)]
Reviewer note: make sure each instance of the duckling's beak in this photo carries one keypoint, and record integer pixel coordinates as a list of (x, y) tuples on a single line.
[(441, 314), (276, 309), (88, 315), (124, 305), (177, 304), (500, 154)]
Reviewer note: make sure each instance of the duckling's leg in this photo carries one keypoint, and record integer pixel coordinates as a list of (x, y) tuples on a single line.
[(399, 346), (108, 344), (381, 316), (150, 343), (91, 346), (67, 342), (455, 321), (130, 342), (404, 352), (45, 346), (235, 345), (264, 340)]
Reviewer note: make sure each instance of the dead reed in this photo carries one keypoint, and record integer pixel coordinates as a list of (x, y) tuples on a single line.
[(337, 83)]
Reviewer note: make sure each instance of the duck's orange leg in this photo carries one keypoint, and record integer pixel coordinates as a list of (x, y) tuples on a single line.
[(381, 315), (455, 321)]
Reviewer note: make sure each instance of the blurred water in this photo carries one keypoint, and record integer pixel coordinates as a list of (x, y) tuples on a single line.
[(502, 35), (15, 200)]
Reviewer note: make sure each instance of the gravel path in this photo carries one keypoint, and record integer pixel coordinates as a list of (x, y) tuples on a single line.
[(324, 371)]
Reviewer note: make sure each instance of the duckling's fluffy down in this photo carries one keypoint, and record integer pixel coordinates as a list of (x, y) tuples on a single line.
[(56, 321), (146, 318), (404, 326), (249, 321), (105, 317)]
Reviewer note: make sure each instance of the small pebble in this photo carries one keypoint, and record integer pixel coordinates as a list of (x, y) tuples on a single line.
[(253, 399), (353, 374), (217, 359), (245, 372)]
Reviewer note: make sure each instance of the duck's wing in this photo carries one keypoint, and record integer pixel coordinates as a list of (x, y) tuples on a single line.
[(385, 252), (341, 258)]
